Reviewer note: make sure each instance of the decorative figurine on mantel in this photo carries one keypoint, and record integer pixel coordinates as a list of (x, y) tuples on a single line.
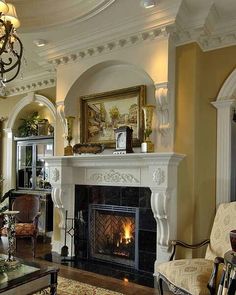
[(68, 150), (148, 145)]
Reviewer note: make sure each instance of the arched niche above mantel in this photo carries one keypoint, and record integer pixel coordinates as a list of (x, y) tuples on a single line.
[(107, 76), (103, 77)]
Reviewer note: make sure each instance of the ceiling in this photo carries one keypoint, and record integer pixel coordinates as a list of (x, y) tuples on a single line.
[(72, 25)]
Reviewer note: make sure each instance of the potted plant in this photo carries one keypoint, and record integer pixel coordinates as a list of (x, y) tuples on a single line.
[(29, 126)]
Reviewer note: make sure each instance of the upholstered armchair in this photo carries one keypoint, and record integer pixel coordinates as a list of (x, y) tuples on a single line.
[(200, 276), (27, 218)]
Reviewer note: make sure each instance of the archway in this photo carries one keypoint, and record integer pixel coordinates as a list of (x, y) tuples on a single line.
[(10, 125), (105, 76), (226, 141)]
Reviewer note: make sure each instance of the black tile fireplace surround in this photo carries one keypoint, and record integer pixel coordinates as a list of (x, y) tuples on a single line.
[(125, 199)]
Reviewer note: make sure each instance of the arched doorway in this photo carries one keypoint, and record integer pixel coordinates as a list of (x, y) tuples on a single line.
[(10, 129)]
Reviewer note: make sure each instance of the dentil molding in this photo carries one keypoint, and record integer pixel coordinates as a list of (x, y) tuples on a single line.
[(31, 84), (205, 40), (112, 45)]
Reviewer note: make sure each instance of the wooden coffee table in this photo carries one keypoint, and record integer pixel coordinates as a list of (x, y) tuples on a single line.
[(29, 278)]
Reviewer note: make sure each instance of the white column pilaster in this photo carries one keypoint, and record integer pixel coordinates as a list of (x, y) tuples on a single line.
[(223, 175)]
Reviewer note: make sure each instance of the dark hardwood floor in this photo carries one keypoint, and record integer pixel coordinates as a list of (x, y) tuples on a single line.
[(125, 287)]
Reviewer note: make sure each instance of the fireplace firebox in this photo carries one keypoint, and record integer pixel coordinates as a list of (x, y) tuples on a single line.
[(113, 232), (115, 224)]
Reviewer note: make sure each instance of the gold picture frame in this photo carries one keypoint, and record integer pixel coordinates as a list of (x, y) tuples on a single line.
[(102, 113)]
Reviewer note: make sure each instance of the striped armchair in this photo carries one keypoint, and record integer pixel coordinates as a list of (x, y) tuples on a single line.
[(200, 276)]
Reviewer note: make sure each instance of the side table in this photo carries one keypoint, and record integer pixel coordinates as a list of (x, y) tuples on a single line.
[(228, 280), (29, 278)]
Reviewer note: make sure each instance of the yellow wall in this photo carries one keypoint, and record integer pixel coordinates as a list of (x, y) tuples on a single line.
[(199, 77)]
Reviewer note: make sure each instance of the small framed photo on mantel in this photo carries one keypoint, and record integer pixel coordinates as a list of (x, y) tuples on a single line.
[(103, 113)]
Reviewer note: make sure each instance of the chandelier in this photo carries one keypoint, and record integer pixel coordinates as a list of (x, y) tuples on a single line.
[(11, 48)]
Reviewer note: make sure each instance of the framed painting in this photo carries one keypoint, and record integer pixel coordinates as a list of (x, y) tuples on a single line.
[(102, 113)]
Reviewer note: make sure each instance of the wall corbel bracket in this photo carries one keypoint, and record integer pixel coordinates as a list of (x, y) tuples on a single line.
[(163, 106), (61, 115)]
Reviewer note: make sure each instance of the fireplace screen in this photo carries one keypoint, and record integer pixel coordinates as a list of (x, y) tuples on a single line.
[(114, 234)]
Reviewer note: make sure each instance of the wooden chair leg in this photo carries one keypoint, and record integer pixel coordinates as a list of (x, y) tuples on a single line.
[(160, 285), (34, 242)]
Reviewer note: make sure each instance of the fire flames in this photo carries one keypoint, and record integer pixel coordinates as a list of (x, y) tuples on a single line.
[(127, 232), (126, 235)]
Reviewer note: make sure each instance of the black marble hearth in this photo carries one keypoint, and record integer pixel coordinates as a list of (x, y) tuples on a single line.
[(103, 268)]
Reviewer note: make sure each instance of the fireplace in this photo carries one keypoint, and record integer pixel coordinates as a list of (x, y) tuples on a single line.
[(113, 234), (76, 183), (115, 224)]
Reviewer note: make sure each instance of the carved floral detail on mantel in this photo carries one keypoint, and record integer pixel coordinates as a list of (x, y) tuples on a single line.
[(159, 176), (55, 175), (113, 176)]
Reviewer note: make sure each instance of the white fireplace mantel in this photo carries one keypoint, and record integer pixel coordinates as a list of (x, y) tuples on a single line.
[(158, 171)]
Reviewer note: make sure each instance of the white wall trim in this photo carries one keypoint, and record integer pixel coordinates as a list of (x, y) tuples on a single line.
[(228, 90), (224, 104)]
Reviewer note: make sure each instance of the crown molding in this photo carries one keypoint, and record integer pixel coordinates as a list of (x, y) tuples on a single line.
[(32, 83), (201, 35), (174, 18), (113, 45), (209, 30), (161, 16), (206, 29), (211, 19), (206, 41)]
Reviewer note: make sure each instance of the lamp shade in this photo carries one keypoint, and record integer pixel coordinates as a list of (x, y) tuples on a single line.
[(12, 16), (3, 6)]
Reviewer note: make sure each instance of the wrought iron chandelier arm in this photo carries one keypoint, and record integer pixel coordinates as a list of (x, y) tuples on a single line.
[(17, 72), (8, 29), (16, 64), (11, 48)]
